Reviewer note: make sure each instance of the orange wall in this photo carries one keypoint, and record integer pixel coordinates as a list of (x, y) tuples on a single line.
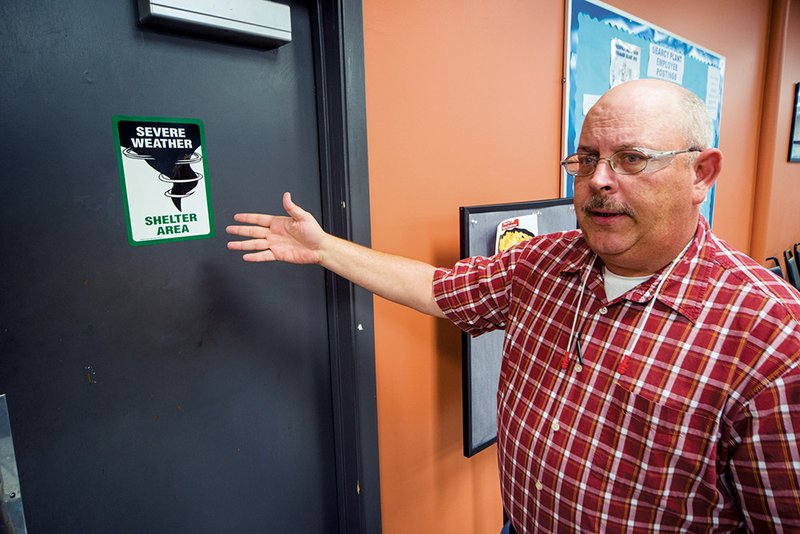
[(463, 108), (777, 203)]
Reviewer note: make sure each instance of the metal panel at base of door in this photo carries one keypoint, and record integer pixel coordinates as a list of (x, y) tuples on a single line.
[(173, 387)]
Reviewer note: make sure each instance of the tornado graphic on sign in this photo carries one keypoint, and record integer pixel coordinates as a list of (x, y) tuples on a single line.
[(164, 178)]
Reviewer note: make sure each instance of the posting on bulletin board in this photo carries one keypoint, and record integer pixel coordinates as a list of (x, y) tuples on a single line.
[(606, 47)]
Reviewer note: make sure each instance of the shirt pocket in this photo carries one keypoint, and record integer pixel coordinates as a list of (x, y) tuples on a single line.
[(657, 455)]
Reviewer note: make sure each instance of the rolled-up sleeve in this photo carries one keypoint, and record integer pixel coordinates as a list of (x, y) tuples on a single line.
[(475, 294)]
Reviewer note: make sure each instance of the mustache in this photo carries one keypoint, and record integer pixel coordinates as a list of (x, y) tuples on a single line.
[(598, 202)]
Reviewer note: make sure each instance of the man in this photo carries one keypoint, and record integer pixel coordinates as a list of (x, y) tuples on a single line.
[(651, 374)]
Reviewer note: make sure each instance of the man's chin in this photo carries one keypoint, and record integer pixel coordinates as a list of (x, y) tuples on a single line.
[(606, 246)]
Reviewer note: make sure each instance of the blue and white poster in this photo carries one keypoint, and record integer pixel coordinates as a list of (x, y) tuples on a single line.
[(606, 47)]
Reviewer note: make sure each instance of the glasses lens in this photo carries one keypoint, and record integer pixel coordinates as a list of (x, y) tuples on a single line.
[(629, 161), (580, 164)]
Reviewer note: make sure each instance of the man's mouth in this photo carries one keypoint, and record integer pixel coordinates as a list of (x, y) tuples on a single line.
[(605, 208)]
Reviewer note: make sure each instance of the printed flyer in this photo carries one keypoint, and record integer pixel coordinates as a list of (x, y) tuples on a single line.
[(515, 230)]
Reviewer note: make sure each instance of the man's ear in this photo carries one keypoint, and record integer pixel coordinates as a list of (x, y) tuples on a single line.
[(707, 166)]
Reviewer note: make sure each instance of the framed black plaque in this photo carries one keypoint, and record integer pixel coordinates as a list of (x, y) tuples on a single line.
[(482, 231), (794, 137)]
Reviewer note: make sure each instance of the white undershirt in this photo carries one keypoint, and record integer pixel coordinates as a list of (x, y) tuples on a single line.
[(616, 285)]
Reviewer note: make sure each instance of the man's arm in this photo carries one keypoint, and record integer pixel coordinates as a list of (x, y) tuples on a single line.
[(299, 238), (764, 469)]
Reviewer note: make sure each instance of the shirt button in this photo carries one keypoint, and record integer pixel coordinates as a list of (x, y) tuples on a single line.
[(603, 310), (555, 426), (578, 368), (539, 485)]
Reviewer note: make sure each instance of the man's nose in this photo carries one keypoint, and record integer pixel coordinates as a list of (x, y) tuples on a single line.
[(603, 177)]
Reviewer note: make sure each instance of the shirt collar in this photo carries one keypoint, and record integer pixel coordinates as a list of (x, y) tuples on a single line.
[(684, 289), (688, 284)]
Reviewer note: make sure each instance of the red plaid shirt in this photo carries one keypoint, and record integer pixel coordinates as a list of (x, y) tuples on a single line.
[(696, 431)]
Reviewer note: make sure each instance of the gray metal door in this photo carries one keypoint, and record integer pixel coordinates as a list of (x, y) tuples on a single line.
[(168, 387)]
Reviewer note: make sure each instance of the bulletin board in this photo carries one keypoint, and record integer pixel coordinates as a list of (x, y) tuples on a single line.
[(482, 355), (606, 46)]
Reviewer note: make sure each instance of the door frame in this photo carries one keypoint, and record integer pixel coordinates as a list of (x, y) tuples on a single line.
[(338, 41)]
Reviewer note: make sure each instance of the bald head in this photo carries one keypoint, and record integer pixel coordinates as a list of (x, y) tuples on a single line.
[(663, 104)]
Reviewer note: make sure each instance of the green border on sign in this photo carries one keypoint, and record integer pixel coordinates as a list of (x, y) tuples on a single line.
[(171, 120)]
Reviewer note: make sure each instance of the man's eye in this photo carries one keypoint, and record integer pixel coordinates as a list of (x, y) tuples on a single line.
[(587, 159), (631, 158)]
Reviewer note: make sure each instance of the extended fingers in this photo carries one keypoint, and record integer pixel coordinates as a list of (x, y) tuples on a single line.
[(264, 255), (257, 232), (256, 227), (254, 218), (260, 246), (250, 244)]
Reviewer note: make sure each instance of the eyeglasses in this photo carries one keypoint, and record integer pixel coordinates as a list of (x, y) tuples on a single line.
[(628, 161)]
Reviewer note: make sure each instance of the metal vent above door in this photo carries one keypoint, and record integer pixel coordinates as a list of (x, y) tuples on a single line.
[(257, 22)]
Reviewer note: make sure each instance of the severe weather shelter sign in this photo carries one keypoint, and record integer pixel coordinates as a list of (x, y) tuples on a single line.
[(164, 179)]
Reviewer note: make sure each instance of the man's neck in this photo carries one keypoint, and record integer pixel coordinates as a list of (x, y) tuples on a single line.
[(647, 268)]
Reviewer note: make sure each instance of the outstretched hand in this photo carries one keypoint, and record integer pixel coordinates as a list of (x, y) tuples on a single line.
[(295, 239), (299, 238)]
